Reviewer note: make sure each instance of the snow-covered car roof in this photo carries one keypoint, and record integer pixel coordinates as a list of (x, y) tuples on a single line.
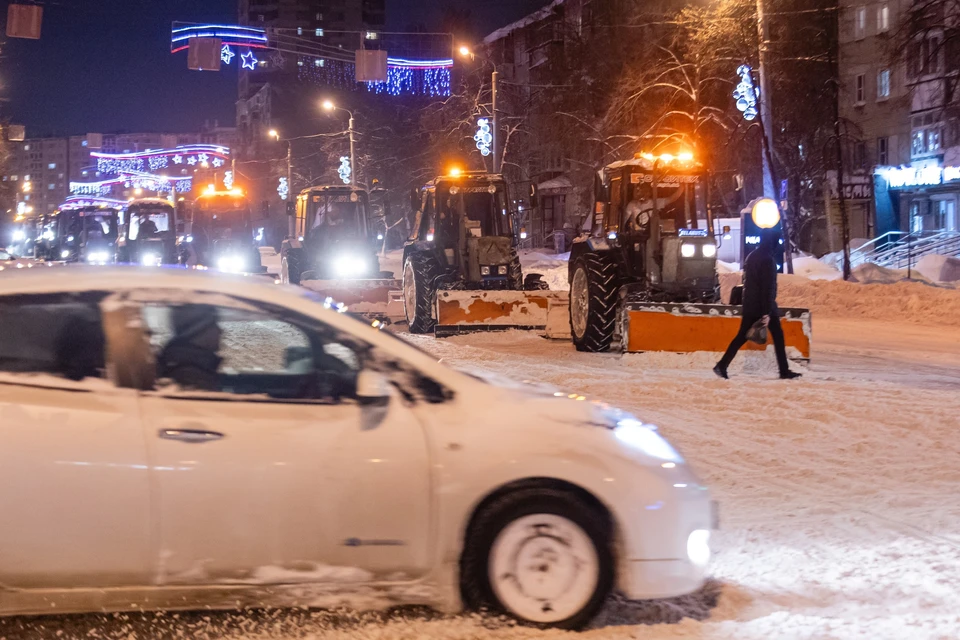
[(39, 278)]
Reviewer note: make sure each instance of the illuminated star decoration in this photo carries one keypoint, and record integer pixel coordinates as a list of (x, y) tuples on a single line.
[(226, 54), (203, 157), (177, 159), (249, 60), (192, 160), (217, 162), (345, 169), (228, 179), (283, 189)]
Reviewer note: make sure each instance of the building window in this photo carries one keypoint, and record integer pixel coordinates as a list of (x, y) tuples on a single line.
[(918, 145), (859, 154), (51, 187), (883, 151), (883, 84), (861, 88), (52, 165), (319, 33), (26, 147), (372, 35), (860, 22), (924, 56), (883, 18), (933, 140)]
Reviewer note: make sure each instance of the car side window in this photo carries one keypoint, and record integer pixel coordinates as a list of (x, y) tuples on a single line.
[(56, 334), (218, 349)]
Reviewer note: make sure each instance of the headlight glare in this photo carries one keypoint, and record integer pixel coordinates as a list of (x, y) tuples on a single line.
[(698, 547), (688, 250), (349, 266), (644, 438), (230, 264), (150, 260), (709, 250)]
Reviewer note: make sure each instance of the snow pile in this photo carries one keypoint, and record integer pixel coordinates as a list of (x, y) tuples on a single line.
[(815, 269), (899, 301), (939, 268), (553, 268)]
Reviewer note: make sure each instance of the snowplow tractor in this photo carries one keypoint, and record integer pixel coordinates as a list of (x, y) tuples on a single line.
[(219, 234), (461, 268), (333, 251), (148, 236), (644, 272)]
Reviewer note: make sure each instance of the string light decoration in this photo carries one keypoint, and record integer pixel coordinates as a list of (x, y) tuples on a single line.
[(101, 188), (228, 180), (483, 137), (283, 189), (226, 54), (345, 170), (114, 163), (249, 60), (746, 94), (229, 34)]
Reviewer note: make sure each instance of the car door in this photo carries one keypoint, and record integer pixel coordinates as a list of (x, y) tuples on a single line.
[(270, 471), (74, 485)]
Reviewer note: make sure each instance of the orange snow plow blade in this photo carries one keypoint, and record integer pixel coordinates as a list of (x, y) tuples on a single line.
[(464, 311), (687, 328), (373, 299)]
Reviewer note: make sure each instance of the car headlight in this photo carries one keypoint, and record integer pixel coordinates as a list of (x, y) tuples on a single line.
[(698, 547), (688, 250), (484, 271), (150, 260), (230, 264), (349, 266), (645, 438), (709, 250)]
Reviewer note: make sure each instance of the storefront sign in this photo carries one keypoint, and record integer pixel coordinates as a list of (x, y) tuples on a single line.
[(899, 177)]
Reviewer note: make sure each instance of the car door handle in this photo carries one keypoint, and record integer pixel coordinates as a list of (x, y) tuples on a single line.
[(192, 436)]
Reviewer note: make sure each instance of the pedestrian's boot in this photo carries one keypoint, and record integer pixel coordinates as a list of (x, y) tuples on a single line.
[(721, 371), (790, 375)]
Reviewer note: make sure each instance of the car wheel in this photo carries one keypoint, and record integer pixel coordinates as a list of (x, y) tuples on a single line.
[(541, 556)]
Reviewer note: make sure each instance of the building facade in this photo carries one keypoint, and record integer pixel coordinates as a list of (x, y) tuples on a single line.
[(897, 92)]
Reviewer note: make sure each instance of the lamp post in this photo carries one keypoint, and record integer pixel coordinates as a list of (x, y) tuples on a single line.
[(291, 220), (328, 105), (494, 82)]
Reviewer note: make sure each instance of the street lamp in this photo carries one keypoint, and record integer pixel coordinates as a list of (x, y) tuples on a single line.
[(466, 52), (291, 220), (329, 106)]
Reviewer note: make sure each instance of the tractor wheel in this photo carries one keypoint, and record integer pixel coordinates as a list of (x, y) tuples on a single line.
[(419, 291), (594, 289), (291, 266), (515, 274)]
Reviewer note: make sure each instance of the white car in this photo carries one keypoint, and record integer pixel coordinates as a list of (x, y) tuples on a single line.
[(185, 440)]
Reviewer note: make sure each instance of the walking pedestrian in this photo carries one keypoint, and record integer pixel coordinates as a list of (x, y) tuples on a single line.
[(760, 304)]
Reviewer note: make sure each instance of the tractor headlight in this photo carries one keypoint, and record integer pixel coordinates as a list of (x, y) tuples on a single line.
[(98, 257), (64, 254), (502, 270), (231, 264), (19, 235), (698, 547), (688, 250), (150, 259), (484, 271), (709, 250), (349, 266)]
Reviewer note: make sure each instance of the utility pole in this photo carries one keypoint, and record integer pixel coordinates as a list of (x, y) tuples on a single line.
[(353, 158), (496, 149), (838, 139)]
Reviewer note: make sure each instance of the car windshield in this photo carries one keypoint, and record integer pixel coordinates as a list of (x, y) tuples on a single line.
[(154, 220)]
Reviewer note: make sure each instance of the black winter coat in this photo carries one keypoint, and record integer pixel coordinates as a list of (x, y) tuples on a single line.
[(759, 285)]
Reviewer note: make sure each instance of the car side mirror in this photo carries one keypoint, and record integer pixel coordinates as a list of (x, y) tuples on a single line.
[(372, 388)]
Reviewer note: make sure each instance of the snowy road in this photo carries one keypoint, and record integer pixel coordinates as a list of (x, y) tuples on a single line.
[(839, 503)]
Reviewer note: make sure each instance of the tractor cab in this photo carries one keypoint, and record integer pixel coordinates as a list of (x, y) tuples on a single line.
[(652, 211), (219, 233), (148, 235), (465, 220), (88, 233)]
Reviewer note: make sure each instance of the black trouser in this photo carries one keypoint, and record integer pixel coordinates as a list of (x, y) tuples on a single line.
[(776, 331)]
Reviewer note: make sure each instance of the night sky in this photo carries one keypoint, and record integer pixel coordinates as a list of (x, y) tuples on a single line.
[(105, 66)]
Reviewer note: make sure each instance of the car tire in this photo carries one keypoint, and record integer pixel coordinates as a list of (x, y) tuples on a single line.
[(419, 291), (594, 297), (567, 540), (291, 266)]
